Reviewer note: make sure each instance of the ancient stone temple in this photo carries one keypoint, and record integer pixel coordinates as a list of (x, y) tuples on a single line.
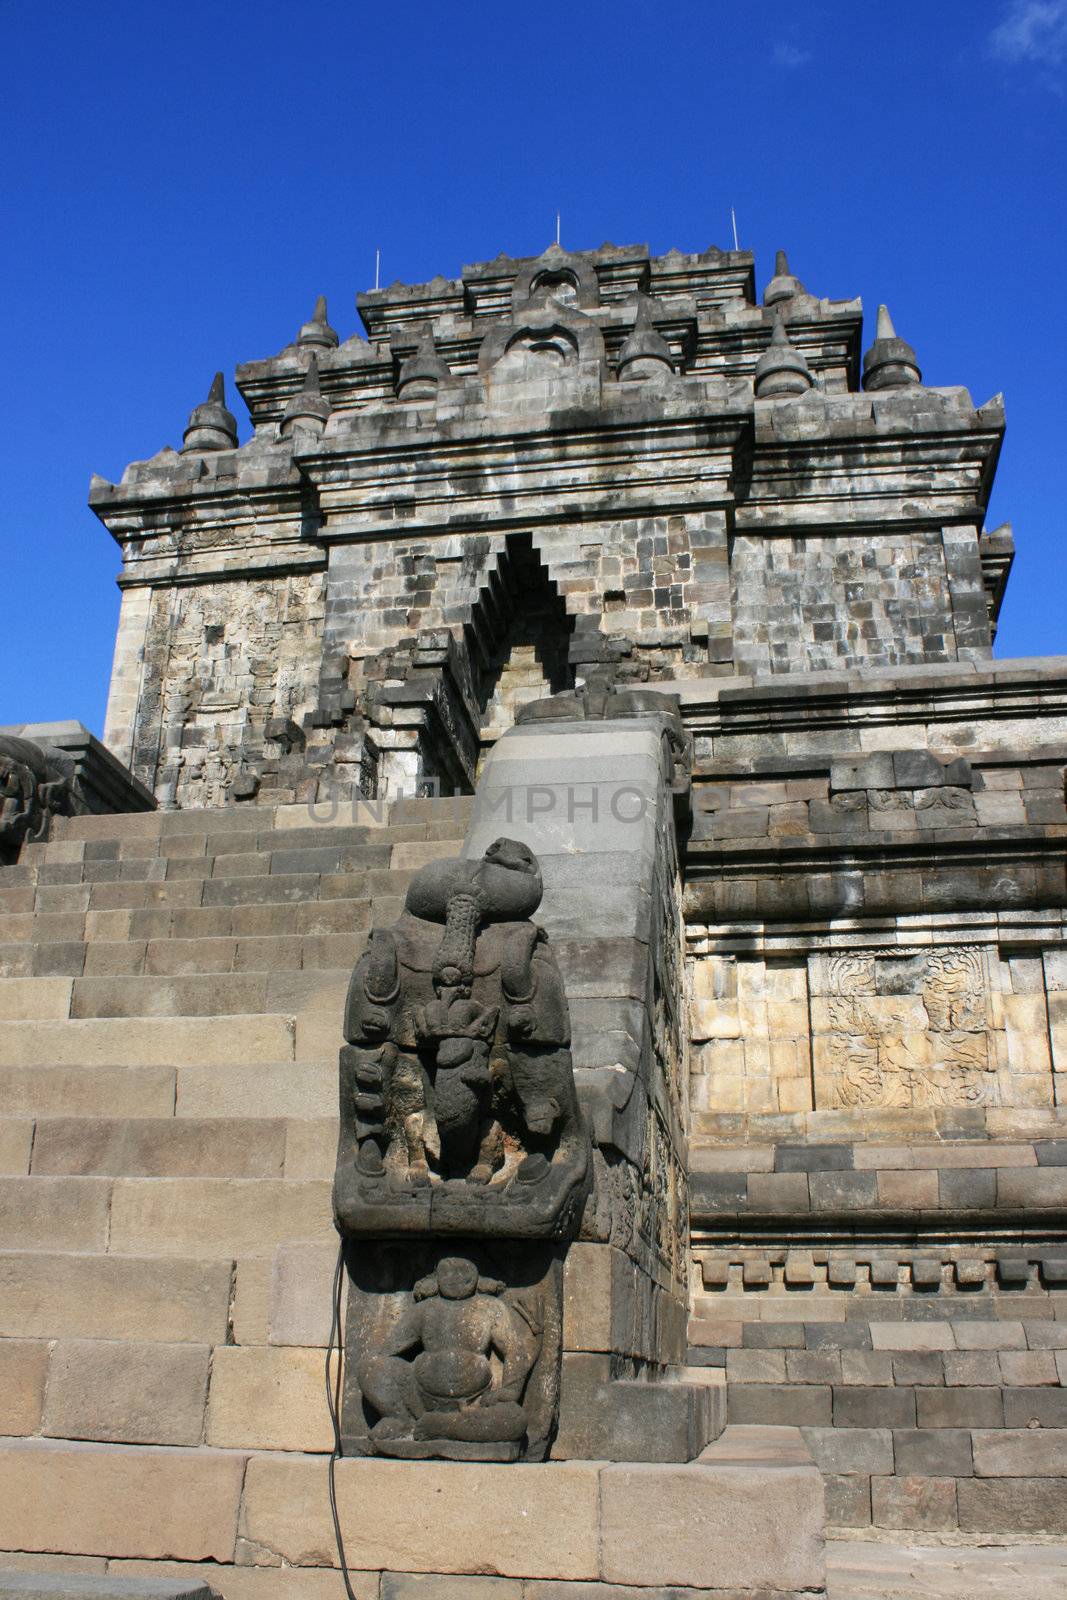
[(569, 910)]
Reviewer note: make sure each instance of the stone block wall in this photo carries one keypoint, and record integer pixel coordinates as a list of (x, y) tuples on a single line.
[(904, 1304), (815, 602), (927, 1017), (875, 924), (605, 410)]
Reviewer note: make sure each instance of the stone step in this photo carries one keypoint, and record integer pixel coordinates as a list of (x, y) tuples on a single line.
[(297, 1148), (449, 811), (45, 1294), (300, 1090), (182, 957), (203, 994), (190, 894), (157, 1147), (584, 1522), (338, 915), (26, 999), (116, 1500), (29, 1585), (92, 1043), (257, 857), (903, 1570), (170, 1216)]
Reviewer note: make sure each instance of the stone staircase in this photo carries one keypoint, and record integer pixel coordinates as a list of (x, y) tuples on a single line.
[(171, 991)]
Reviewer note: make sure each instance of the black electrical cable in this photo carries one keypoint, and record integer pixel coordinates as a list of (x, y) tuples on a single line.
[(333, 1400)]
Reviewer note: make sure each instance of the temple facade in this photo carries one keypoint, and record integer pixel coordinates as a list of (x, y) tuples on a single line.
[(565, 740), (600, 467)]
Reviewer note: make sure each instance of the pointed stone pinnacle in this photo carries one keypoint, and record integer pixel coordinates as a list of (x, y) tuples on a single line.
[(781, 371), (645, 353), (308, 407), (211, 426), (890, 362), (423, 372), (318, 330), (884, 328), (784, 285)]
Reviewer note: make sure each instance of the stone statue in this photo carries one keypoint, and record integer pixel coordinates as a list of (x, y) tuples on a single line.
[(457, 1091), (459, 1123), (432, 1379), (36, 784)]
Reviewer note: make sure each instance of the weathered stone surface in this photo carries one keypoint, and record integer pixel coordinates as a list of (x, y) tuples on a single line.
[(23, 1367), (213, 1216), (913, 1502), (301, 1293), (147, 1042), (128, 1392), (439, 1586), (71, 1586), (267, 1399), (115, 1501), (258, 1582), (427, 1516), (1012, 1505), (46, 1213), (1020, 1452), (156, 1147), (113, 1297), (738, 1514)]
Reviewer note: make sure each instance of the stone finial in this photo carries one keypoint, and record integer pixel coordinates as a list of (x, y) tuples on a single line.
[(211, 426), (646, 353), (890, 362), (783, 286), (308, 407), (318, 330), (781, 371), (423, 372)]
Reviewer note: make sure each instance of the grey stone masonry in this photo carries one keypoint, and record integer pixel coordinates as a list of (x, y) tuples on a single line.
[(341, 602), (817, 988)]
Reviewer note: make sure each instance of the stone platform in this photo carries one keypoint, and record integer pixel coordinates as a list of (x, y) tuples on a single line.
[(871, 1570), (743, 1522)]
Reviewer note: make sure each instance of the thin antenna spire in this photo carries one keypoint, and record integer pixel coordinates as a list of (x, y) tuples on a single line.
[(377, 269), (733, 219), (557, 228)]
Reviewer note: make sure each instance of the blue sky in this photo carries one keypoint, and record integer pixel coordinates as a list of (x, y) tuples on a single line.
[(179, 182)]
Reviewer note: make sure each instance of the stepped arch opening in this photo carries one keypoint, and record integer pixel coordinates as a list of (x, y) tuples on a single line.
[(518, 638)]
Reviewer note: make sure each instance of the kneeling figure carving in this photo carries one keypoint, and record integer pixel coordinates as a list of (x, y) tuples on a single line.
[(434, 1380)]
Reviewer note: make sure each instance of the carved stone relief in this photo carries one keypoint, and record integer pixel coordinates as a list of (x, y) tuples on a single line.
[(455, 1354), (903, 1030), (36, 784), (221, 662), (459, 1126)]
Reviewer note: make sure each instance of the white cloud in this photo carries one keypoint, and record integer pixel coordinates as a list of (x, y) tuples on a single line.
[(790, 57), (1034, 31)]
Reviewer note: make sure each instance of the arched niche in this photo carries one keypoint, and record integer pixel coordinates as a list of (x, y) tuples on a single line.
[(569, 280), (545, 340)]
